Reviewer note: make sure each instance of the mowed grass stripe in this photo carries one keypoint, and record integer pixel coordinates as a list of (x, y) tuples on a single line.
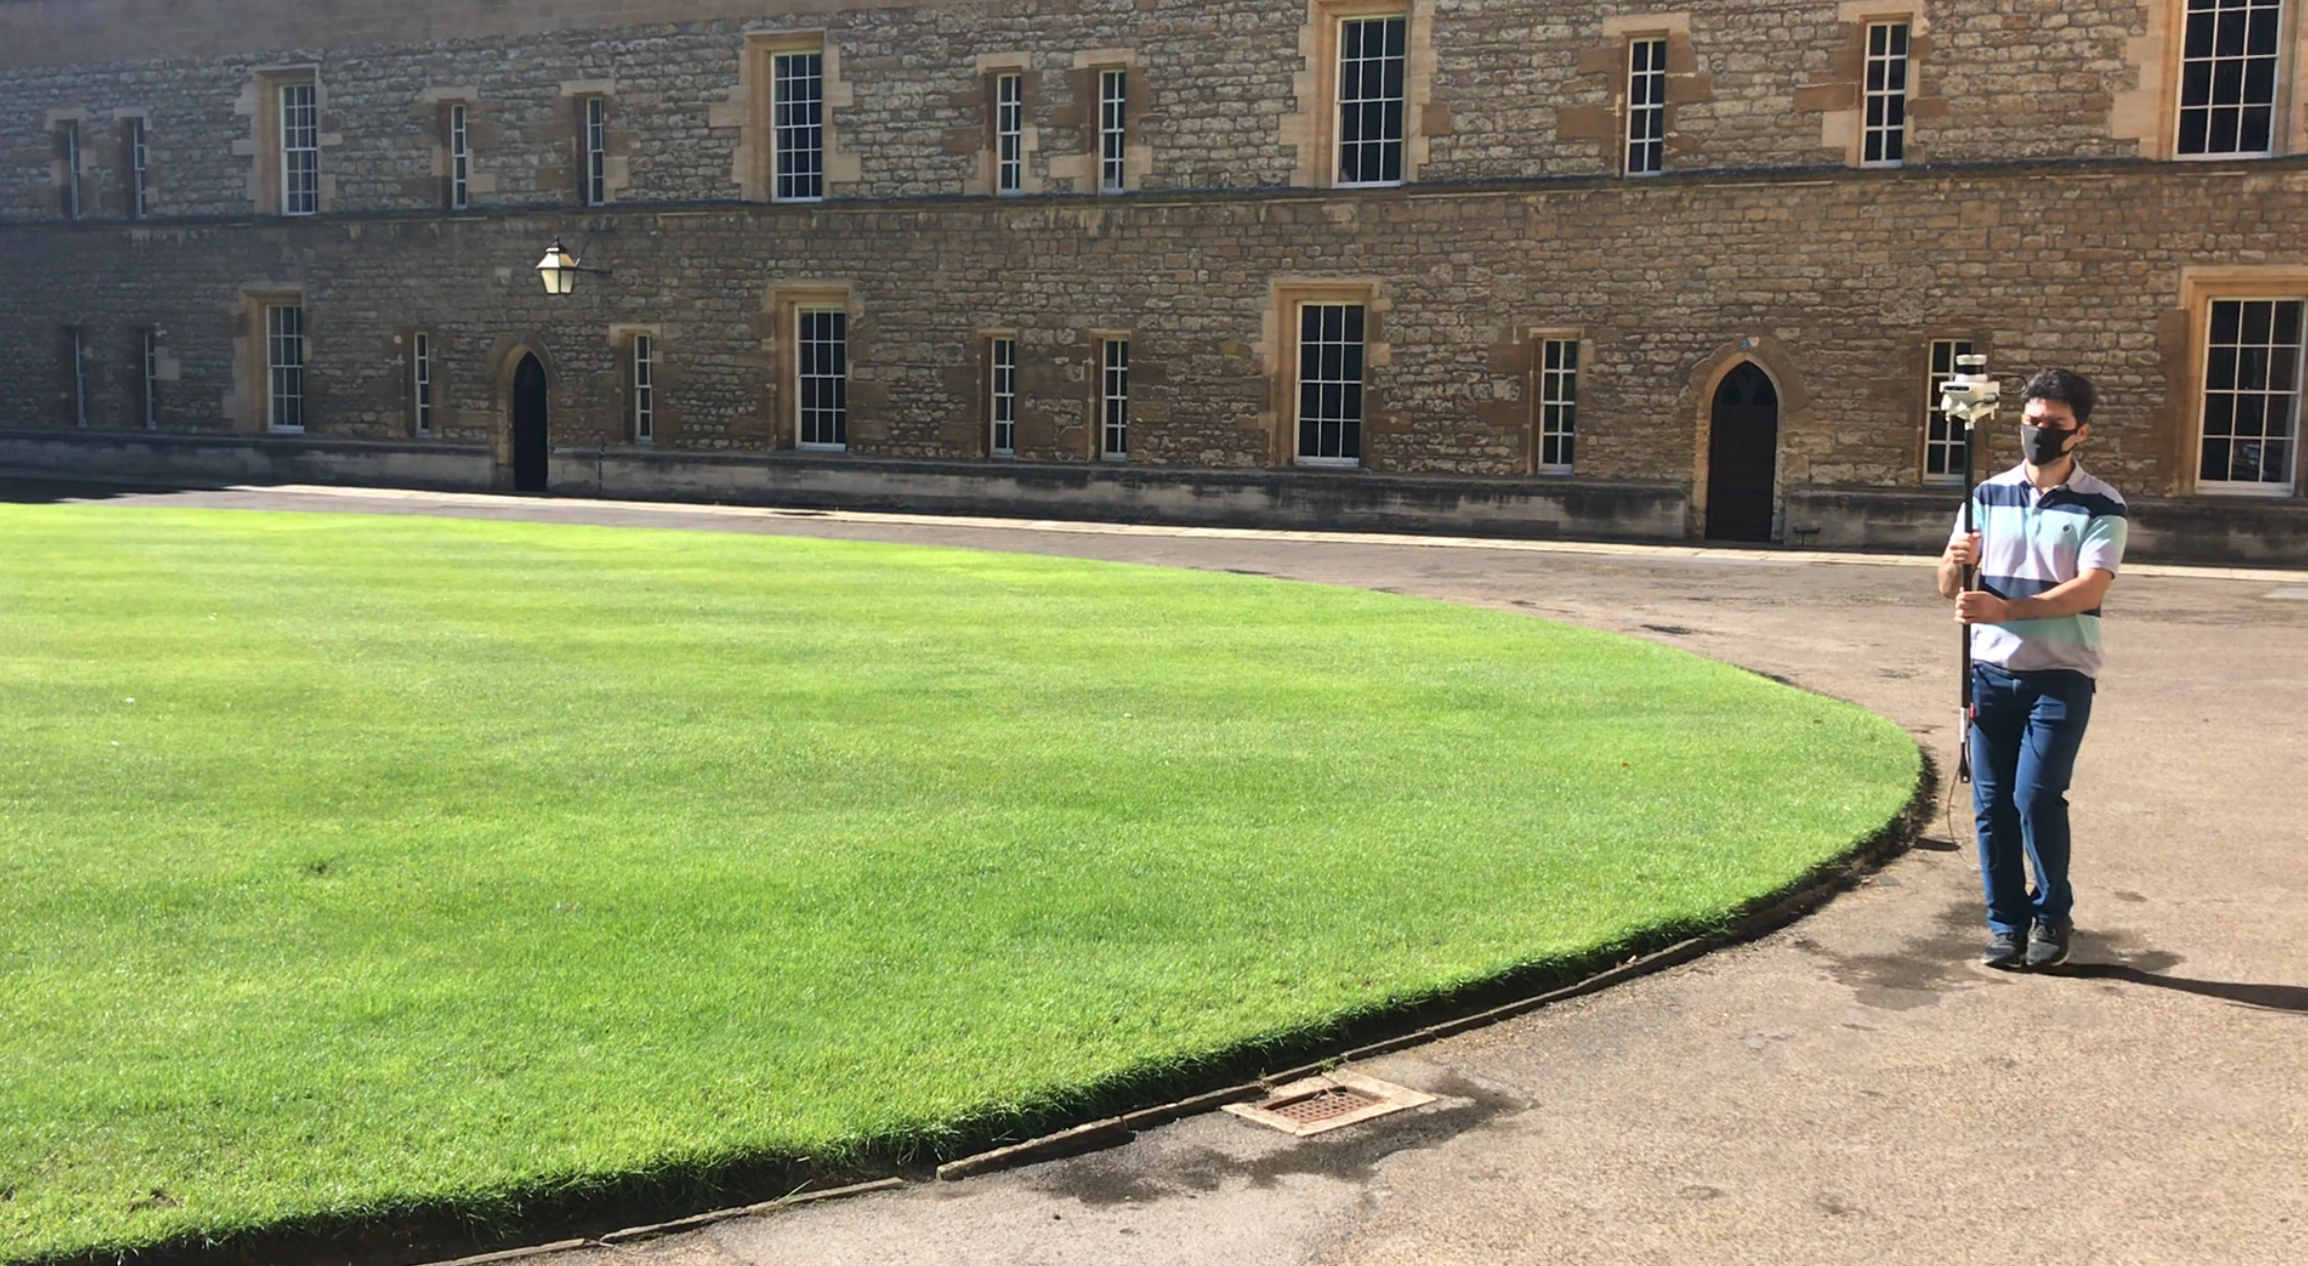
[(457, 861)]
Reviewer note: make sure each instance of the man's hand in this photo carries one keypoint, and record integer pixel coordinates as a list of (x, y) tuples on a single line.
[(1974, 607), (1963, 551)]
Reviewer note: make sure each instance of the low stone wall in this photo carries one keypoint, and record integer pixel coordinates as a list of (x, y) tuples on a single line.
[(2239, 531), (1529, 508)]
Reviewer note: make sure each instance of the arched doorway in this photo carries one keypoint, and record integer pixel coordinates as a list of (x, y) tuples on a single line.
[(1742, 456), (529, 437)]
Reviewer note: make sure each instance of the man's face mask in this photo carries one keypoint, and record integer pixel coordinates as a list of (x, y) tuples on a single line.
[(2044, 445)]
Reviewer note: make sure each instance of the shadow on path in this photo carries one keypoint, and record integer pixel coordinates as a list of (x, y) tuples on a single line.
[(2267, 997)]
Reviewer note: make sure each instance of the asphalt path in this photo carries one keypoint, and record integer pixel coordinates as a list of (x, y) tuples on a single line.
[(1851, 1088)]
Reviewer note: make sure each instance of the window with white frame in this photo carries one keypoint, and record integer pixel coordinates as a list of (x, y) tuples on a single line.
[(148, 357), (2228, 61), (421, 384), (1009, 133), (1114, 399), (596, 142), (821, 377), (797, 125), (139, 184), (1330, 348), (1944, 440), (68, 151), (1883, 141), (1002, 396), (284, 328), (1558, 404), (1113, 125), (644, 389), (1371, 68), (1646, 107), (2251, 396), (300, 150), (460, 159), (76, 347)]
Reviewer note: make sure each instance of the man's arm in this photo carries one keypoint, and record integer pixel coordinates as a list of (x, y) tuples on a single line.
[(2067, 598), (1961, 552)]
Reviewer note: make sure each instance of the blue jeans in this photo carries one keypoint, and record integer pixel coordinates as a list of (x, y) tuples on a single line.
[(2023, 751)]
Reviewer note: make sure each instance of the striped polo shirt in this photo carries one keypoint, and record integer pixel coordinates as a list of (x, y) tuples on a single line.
[(2031, 541)]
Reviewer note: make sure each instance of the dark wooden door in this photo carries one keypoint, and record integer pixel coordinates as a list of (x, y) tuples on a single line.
[(529, 437), (1742, 457)]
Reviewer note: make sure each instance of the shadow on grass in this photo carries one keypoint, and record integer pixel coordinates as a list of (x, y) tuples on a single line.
[(594, 1206)]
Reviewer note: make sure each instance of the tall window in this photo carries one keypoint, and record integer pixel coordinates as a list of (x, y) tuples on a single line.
[(2252, 396), (1113, 122), (1943, 440), (1370, 96), (68, 150), (1646, 107), (797, 124), (300, 150), (460, 159), (2228, 61), (148, 356), (1884, 143), (821, 375), (1114, 398), (644, 389), (1558, 403), (421, 384), (1330, 384), (284, 326), (1002, 396), (76, 346), (139, 187), (1009, 133), (596, 173)]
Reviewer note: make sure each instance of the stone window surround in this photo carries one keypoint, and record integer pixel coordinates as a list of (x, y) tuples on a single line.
[(437, 102), (250, 403), (69, 129), (131, 124), (1608, 61), (751, 108), (420, 425), (1929, 403), (1536, 339), (260, 101), (621, 336), (616, 146), (2150, 112), (1312, 129), (2198, 288), (1094, 406), (990, 68), (1840, 99), (783, 306), (1278, 350), (1083, 168), (984, 395)]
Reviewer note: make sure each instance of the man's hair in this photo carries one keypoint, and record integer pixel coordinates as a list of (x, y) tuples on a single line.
[(2065, 386)]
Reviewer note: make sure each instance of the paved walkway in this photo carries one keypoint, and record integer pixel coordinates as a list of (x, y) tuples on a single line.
[(1849, 1089)]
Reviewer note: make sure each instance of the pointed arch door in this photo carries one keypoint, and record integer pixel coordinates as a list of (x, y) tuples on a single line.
[(1742, 456)]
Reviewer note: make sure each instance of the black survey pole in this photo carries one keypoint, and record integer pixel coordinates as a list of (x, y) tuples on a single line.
[(1970, 580)]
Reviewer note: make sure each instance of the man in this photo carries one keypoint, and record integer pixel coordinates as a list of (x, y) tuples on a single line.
[(2049, 538)]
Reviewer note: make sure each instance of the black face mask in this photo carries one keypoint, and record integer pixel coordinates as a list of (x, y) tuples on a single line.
[(2043, 445)]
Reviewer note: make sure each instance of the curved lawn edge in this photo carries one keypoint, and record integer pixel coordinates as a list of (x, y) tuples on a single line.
[(589, 1207)]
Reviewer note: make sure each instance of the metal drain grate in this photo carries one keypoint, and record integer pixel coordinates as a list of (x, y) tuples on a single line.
[(1328, 1102), (1322, 1105)]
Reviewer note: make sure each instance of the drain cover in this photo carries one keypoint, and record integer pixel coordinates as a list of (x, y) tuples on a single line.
[(1328, 1102)]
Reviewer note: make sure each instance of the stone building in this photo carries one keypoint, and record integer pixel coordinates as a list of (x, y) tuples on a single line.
[(1612, 270)]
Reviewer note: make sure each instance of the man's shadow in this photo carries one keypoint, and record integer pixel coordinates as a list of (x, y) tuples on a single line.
[(2267, 997)]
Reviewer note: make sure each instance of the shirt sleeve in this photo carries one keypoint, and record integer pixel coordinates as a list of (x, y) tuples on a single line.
[(2102, 547)]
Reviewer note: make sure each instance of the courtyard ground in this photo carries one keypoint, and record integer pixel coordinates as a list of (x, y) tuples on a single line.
[(1850, 1088)]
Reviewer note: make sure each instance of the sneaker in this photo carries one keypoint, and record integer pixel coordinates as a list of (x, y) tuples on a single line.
[(2048, 945), (2005, 950)]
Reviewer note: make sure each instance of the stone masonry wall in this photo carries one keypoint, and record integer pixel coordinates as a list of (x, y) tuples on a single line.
[(1834, 285), (1520, 90)]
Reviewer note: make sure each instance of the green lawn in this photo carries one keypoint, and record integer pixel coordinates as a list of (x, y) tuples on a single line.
[(353, 865)]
